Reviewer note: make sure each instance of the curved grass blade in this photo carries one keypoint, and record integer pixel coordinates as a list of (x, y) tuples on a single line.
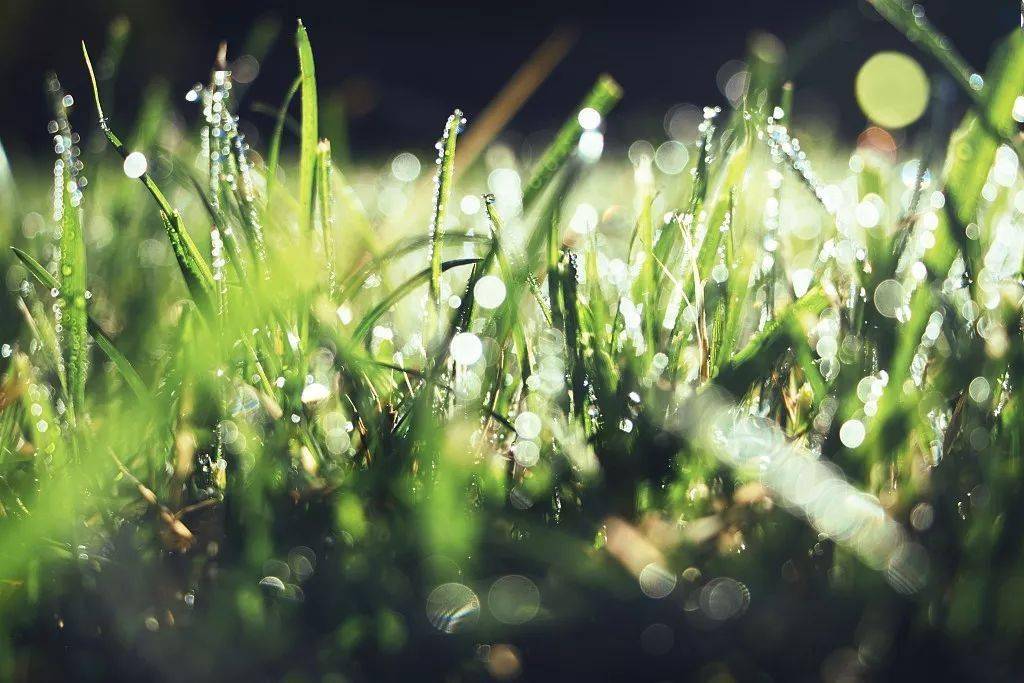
[(274, 148), (698, 193), (912, 22), (366, 324), (357, 277), (973, 147), (195, 270), (497, 227), (516, 92), (197, 274)]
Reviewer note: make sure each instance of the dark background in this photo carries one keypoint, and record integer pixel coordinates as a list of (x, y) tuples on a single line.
[(403, 65)]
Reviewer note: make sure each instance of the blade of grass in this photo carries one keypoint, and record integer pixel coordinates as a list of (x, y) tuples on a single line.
[(912, 22), (737, 373), (973, 147), (274, 148), (602, 98), (326, 203), (75, 337), (121, 363), (310, 131), (442, 193), (366, 324), (195, 270), (516, 92)]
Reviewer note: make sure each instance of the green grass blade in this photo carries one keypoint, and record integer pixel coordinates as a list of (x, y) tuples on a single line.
[(72, 289), (442, 189), (195, 270), (310, 131), (602, 98), (75, 336), (752, 361), (366, 324), (121, 363), (912, 22), (274, 148), (698, 193), (973, 147), (326, 203), (497, 227)]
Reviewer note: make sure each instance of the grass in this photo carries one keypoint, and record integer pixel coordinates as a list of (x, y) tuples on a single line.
[(759, 417)]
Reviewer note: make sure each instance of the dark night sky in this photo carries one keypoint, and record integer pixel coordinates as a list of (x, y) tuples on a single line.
[(419, 59)]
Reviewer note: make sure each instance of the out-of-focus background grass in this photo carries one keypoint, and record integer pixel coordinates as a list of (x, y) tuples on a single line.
[(380, 59)]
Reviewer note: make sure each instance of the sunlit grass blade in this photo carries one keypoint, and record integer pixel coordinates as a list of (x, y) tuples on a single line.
[(602, 98), (698, 193), (358, 276), (325, 199), (645, 288), (442, 192), (274, 147), (123, 366), (68, 211), (310, 134), (197, 273), (366, 324), (912, 22), (973, 148), (737, 372), (513, 95)]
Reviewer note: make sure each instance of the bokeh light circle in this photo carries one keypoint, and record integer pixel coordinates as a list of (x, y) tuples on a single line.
[(514, 599), (892, 89), (452, 607)]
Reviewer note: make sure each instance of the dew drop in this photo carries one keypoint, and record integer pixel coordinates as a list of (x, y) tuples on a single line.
[(528, 425), (489, 291), (466, 348), (589, 118), (852, 433), (135, 165)]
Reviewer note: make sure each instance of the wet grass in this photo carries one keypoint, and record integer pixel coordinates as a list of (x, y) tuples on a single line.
[(284, 416)]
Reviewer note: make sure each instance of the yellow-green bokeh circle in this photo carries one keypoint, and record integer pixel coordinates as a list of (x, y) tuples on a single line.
[(892, 89)]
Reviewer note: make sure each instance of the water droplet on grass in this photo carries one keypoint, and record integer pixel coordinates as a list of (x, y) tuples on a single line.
[(528, 425), (589, 118), (466, 348), (489, 292), (315, 392), (724, 598), (526, 453), (888, 298), (135, 165), (852, 433)]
